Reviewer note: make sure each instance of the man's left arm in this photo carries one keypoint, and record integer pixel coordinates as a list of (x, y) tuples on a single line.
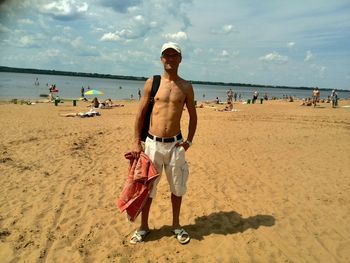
[(192, 125)]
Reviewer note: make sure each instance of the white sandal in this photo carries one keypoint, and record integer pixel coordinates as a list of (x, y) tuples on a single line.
[(138, 236), (181, 235)]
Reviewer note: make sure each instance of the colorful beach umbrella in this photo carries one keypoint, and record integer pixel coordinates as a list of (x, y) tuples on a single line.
[(93, 92)]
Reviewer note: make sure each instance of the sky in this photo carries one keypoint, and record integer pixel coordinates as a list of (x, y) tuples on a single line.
[(272, 42)]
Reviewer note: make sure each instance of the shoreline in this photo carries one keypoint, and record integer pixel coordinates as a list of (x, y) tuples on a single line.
[(121, 77)]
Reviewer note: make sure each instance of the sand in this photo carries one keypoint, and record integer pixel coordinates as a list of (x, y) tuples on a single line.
[(268, 183)]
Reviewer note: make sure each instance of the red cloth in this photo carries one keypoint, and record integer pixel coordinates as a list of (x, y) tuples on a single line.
[(141, 175)]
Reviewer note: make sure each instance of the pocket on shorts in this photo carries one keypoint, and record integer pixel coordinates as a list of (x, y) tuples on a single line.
[(180, 178), (179, 159)]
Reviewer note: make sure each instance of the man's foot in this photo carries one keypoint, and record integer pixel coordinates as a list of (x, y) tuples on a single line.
[(181, 235), (139, 236)]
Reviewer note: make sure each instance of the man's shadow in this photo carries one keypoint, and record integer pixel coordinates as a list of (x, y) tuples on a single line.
[(223, 223)]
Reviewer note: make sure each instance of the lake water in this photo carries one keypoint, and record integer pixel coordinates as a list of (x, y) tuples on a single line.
[(22, 86)]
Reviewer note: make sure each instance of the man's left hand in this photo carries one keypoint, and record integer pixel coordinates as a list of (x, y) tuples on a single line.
[(183, 144)]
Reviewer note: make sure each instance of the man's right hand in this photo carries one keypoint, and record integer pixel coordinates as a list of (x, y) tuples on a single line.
[(136, 150)]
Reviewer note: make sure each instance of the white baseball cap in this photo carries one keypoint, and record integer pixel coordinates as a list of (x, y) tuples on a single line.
[(171, 45)]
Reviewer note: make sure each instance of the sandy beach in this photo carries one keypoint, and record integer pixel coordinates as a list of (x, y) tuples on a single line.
[(268, 183)]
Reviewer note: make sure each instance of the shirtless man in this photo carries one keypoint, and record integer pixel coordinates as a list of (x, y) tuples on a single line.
[(315, 96), (164, 144)]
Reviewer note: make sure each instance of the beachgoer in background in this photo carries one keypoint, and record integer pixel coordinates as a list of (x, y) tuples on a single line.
[(228, 107), (229, 95), (82, 92), (255, 96), (90, 113), (315, 96), (51, 92), (266, 97), (95, 103), (235, 96), (139, 93), (334, 98), (164, 144), (217, 101), (306, 102), (107, 104), (318, 93)]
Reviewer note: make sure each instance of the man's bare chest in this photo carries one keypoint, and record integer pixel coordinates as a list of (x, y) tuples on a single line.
[(170, 93)]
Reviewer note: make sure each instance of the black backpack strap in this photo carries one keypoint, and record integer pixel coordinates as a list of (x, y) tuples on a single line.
[(146, 122), (155, 86)]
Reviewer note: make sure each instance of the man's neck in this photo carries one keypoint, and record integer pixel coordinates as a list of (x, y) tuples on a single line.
[(171, 76)]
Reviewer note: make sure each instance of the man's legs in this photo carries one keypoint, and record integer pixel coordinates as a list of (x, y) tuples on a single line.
[(144, 215), (176, 204), (141, 233)]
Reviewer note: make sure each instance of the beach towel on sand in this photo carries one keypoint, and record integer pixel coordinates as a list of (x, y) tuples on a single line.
[(141, 175)]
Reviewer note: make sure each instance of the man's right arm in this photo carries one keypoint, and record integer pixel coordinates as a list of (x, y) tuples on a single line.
[(140, 116)]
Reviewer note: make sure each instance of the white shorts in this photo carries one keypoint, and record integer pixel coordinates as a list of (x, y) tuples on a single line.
[(172, 158)]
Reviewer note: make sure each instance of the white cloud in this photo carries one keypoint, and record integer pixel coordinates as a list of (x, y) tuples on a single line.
[(60, 39), (26, 41), (25, 21), (110, 37), (125, 33), (274, 57), (72, 42), (83, 8), (97, 29), (225, 30), (198, 51), (67, 29), (139, 18), (65, 9), (176, 36), (291, 44), (121, 6), (309, 56), (77, 42), (153, 24), (53, 52), (224, 53)]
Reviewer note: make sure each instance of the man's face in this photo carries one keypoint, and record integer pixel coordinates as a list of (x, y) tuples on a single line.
[(171, 59)]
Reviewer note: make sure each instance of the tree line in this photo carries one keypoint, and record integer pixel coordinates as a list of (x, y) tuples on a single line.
[(109, 76)]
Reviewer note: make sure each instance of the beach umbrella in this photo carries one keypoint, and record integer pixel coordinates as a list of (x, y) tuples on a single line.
[(93, 92)]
